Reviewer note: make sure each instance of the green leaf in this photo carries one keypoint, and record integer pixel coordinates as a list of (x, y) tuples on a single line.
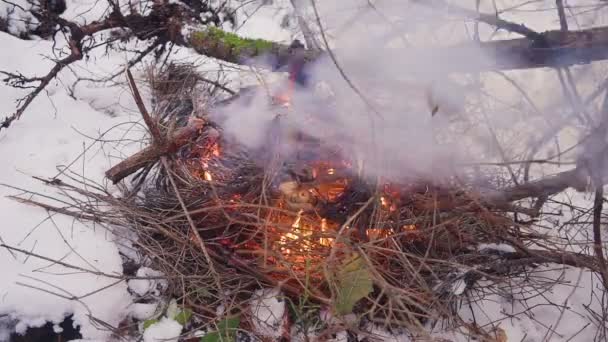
[(183, 317), (212, 337), (226, 331), (149, 322), (354, 282), (229, 323)]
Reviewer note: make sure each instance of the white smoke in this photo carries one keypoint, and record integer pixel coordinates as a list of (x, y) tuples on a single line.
[(385, 121)]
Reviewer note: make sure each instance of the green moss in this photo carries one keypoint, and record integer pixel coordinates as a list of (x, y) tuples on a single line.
[(234, 42)]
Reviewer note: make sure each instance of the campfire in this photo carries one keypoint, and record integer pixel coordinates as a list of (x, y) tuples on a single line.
[(304, 211), (221, 222), (300, 226), (298, 221)]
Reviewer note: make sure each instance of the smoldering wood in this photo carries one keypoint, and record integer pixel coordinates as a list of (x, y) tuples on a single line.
[(152, 153)]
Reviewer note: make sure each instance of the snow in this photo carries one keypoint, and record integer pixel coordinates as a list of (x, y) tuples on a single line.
[(500, 247), (143, 286), (458, 287), (571, 314), (166, 330), (17, 16), (380, 334), (259, 19), (267, 310), (143, 311), (53, 132)]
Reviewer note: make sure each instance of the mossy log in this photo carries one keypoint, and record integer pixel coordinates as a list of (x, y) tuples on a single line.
[(551, 49), (229, 47)]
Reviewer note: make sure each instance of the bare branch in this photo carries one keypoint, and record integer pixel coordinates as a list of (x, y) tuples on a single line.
[(152, 124), (490, 19), (563, 21)]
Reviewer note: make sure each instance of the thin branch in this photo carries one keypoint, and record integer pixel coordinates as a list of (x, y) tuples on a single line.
[(335, 61), (157, 137), (199, 239), (598, 249), (596, 166), (490, 19), (563, 21), (309, 37), (44, 81)]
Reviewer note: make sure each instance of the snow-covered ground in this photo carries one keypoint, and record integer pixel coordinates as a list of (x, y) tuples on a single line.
[(56, 131), (60, 130), (75, 127)]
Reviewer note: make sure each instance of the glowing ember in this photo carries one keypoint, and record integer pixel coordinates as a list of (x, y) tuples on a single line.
[(409, 227), (384, 201), (215, 150), (302, 248), (332, 191), (388, 204), (324, 241), (282, 100), (377, 234), (296, 223), (207, 176), (290, 235)]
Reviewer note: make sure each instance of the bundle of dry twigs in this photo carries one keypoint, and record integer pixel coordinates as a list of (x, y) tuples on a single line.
[(220, 225)]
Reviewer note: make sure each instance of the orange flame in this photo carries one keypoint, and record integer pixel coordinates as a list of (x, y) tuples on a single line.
[(215, 150), (378, 234), (325, 241), (409, 227)]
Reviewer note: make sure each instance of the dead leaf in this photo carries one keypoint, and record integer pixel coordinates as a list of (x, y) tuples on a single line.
[(354, 282)]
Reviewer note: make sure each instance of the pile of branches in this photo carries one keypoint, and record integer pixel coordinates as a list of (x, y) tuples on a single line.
[(221, 224)]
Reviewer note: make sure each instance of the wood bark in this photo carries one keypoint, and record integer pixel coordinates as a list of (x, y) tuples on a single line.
[(152, 153), (576, 178), (551, 49)]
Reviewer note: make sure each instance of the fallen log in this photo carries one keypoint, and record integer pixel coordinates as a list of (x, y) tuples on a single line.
[(549, 49)]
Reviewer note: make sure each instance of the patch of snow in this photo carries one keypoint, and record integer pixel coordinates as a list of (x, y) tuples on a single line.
[(143, 286), (499, 247), (199, 333), (166, 330), (341, 336), (263, 20), (458, 287), (377, 333), (53, 132), (299, 333), (57, 329), (568, 308), (17, 15), (172, 309), (268, 309), (143, 311)]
